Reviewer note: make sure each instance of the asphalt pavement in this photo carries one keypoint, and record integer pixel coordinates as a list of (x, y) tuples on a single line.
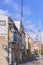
[(33, 60)]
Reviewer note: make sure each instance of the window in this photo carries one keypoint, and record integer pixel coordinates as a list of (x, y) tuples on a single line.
[(15, 38), (2, 22)]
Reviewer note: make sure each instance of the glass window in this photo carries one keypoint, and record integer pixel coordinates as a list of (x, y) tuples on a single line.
[(2, 22), (15, 38)]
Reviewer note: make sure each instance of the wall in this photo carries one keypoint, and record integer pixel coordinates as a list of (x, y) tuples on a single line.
[(4, 41), (26, 40)]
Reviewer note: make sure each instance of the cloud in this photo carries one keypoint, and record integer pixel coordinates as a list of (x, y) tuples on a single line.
[(7, 1), (12, 3), (16, 16), (33, 31), (32, 35), (26, 10), (5, 12), (15, 7), (30, 26)]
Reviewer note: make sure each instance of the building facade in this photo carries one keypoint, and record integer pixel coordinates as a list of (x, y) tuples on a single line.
[(3, 40), (9, 41), (13, 43), (19, 25), (31, 44), (28, 46)]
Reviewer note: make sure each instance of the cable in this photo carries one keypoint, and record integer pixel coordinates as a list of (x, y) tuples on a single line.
[(22, 17)]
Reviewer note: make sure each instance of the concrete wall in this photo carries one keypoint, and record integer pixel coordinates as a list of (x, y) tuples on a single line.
[(4, 40)]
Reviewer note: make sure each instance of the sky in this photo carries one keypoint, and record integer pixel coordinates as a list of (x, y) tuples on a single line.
[(32, 14)]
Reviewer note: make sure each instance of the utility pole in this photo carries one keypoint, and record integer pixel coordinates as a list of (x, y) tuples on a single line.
[(38, 38), (40, 41), (21, 11)]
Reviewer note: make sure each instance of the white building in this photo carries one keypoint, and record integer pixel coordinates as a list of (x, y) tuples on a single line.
[(7, 40), (3, 39)]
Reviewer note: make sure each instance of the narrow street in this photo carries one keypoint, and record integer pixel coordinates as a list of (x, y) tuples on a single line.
[(21, 32), (34, 60)]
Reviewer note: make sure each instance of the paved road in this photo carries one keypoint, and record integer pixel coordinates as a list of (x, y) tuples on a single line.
[(34, 60)]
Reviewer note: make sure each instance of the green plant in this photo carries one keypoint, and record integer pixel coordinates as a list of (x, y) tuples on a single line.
[(23, 53), (36, 51), (42, 51)]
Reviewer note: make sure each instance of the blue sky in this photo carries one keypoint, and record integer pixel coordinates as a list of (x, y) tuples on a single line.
[(32, 14)]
